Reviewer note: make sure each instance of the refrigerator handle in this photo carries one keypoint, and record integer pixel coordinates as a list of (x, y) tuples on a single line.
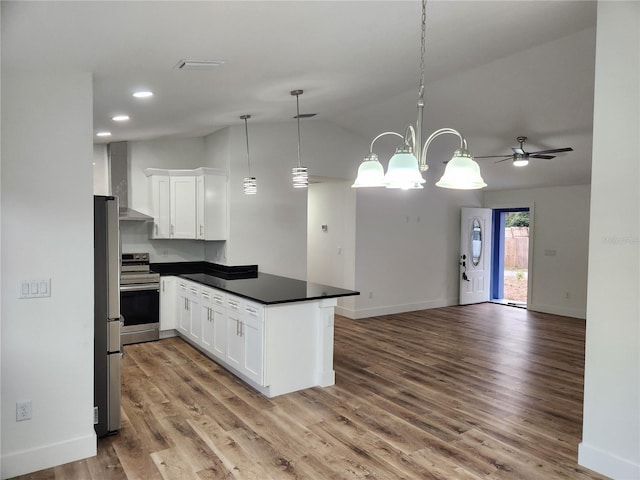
[(113, 259)]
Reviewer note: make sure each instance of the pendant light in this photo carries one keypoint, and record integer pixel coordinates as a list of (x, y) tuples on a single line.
[(405, 167), (299, 174), (249, 184)]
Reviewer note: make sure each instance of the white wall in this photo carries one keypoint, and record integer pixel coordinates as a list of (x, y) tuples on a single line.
[(270, 228), (611, 425), (560, 225), (101, 178), (47, 232), (331, 253), (407, 248)]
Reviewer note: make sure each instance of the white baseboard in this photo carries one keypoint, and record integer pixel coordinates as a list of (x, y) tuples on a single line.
[(403, 308), (607, 464), (559, 310), (47, 456)]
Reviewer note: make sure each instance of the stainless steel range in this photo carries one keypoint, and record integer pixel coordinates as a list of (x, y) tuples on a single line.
[(139, 299)]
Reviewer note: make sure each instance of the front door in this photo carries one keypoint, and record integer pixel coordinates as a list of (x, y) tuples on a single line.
[(475, 255)]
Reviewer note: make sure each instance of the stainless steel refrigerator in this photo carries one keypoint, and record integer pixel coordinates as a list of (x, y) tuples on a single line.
[(107, 347)]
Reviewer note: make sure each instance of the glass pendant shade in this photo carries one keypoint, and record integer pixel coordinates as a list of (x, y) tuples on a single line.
[(250, 185), (403, 171), (461, 173), (370, 173), (300, 177)]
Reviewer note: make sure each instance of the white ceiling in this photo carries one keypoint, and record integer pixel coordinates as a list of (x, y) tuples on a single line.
[(494, 69)]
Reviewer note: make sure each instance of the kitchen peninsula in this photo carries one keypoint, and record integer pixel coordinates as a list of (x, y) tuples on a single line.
[(273, 332)]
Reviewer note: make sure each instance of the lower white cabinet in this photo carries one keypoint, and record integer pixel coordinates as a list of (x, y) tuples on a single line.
[(219, 316), (189, 320), (167, 304), (245, 339), (277, 349)]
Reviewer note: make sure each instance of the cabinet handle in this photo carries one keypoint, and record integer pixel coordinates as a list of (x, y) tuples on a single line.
[(171, 229), (201, 229)]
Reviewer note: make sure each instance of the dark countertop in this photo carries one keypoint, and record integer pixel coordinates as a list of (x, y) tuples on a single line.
[(247, 282)]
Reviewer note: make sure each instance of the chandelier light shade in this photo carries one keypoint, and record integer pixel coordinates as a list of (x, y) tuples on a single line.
[(461, 173), (405, 167), (370, 173), (299, 174), (403, 171), (249, 184)]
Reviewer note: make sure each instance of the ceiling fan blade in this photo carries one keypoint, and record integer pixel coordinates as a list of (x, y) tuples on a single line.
[(553, 150), (504, 160), (546, 157), (518, 150), (494, 156)]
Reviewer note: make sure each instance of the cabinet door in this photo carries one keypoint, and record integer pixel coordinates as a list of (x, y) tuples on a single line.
[(195, 318), (212, 207), (168, 310), (252, 333), (206, 313), (159, 190), (219, 345), (184, 320), (200, 207), (183, 207), (235, 342)]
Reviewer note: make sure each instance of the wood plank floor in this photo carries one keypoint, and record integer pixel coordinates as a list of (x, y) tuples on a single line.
[(475, 392)]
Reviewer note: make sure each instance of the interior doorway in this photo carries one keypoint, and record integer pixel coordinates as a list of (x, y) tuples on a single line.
[(510, 256)]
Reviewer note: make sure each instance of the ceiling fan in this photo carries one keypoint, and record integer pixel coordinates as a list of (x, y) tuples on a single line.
[(521, 158)]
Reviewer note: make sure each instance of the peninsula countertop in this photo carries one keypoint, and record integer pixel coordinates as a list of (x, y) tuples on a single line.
[(253, 285)]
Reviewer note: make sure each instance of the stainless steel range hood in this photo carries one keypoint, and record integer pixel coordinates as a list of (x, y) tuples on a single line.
[(119, 170)]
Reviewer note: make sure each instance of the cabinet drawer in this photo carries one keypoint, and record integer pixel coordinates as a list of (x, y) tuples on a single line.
[(234, 303), (219, 299), (207, 295), (253, 311)]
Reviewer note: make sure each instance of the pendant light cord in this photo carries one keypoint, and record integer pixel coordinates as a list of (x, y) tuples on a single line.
[(298, 117), (246, 136)]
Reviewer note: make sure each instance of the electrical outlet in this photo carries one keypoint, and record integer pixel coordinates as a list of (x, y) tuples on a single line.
[(23, 411)]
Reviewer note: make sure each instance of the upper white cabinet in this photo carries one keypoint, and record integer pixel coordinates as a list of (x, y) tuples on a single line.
[(160, 192), (211, 207), (188, 204), (183, 207)]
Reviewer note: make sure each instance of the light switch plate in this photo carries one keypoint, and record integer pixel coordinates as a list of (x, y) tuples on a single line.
[(35, 288)]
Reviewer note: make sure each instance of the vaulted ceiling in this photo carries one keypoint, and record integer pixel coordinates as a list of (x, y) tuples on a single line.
[(494, 69)]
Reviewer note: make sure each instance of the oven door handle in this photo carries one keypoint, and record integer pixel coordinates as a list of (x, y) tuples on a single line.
[(139, 287)]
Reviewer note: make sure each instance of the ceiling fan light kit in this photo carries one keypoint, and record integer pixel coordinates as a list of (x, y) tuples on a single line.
[(520, 158), (405, 167)]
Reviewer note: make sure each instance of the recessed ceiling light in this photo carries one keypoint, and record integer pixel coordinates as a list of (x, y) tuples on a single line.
[(198, 64), (120, 118), (103, 134), (143, 94)]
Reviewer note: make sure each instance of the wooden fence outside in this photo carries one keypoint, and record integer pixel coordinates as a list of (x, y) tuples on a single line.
[(516, 248)]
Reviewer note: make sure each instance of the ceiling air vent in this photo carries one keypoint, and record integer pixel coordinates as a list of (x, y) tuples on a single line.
[(197, 64)]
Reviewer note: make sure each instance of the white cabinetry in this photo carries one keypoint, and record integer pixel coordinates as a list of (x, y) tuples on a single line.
[(211, 207), (188, 204), (168, 311), (245, 339), (275, 348), (214, 326), (159, 193), (183, 207), (188, 309)]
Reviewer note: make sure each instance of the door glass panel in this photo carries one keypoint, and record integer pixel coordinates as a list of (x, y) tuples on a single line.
[(476, 242)]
